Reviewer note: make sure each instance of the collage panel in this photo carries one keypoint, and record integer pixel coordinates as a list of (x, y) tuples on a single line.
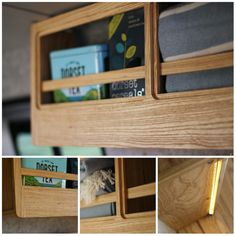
[(117, 117), (110, 79), (195, 195)]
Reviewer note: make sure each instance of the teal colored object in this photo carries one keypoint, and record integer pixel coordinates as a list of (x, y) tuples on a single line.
[(48, 164), (77, 62)]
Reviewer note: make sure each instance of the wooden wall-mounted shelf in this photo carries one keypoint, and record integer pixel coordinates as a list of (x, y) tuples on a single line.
[(122, 222), (33, 201), (185, 188), (200, 119)]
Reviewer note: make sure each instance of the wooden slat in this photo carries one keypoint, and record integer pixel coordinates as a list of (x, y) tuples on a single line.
[(134, 223), (100, 78), (49, 202), (18, 187), (85, 15), (99, 200), (156, 53), (49, 174), (148, 50), (134, 192), (142, 191), (208, 62)]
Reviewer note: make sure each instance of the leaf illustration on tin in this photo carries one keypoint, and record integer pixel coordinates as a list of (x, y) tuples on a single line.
[(123, 37), (130, 52)]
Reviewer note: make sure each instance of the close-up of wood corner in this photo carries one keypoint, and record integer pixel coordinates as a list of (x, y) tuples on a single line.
[(195, 195)]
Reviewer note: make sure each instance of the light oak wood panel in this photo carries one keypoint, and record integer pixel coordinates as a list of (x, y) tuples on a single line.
[(204, 121), (213, 224), (225, 201), (165, 164), (135, 223), (156, 85), (184, 193), (209, 62), (209, 224), (48, 202), (18, 186), (32, 201), (148, 51), (222, 220)]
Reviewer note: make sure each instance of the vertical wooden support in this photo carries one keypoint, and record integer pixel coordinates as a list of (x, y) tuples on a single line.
[(123, 186), (119, 173), (156, 56), (18, 186), (148, 47)]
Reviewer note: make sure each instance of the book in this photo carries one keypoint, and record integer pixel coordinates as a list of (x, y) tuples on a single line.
[(126, 49), (47, 164)]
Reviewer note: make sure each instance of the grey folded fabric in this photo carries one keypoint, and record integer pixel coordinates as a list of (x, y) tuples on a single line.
[(192, 30), (195, 29), (90, 165), (200, 80), (98, 211)]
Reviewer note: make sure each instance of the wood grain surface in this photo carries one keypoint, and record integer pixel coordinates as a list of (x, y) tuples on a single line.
[(49, 202), (203, 121), (135, 223), (222, 220), (32, 201), (124, 221), (51, 174), (184, 193), (209, 62)]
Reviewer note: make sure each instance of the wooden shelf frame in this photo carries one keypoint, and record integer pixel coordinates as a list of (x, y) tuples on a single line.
[(201, 119), (30, 201), (121, 222), (105, 77)]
